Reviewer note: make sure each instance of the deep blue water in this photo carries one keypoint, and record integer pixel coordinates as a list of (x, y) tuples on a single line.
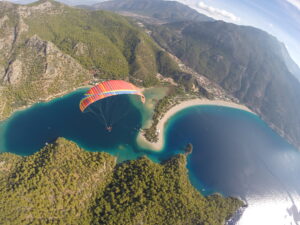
[(28, 131), (233, 145), (235, 153)]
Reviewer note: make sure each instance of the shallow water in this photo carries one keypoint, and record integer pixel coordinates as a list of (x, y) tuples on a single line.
[(234, 153)]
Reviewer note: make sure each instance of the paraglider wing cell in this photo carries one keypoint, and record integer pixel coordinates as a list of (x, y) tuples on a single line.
[(107, 89)]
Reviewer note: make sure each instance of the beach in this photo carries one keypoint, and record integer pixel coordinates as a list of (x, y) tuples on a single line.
[(158, 146)]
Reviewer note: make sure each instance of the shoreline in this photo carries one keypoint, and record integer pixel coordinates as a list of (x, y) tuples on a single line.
[(45, 100), (158, 146)]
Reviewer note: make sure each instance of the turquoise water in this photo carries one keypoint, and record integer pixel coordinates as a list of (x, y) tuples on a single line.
[(28, 131), (235, 153)]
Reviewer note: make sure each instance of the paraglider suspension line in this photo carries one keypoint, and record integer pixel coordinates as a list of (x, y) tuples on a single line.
[(103, 117)]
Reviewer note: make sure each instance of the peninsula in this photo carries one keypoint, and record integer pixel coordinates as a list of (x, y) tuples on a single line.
[(63, 184), (38, 64), (158, 143)]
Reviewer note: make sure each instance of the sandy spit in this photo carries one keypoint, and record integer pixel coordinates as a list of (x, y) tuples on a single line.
[(158, 146)]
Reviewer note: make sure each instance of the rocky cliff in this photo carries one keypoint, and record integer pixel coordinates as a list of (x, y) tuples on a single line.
[(47, 49), (32, 69)]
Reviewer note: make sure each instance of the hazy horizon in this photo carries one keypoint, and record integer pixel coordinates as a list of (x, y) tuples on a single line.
[(280, 18)]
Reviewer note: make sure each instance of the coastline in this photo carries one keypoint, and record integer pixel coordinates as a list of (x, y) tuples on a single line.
[(43, 100), (158, 146)]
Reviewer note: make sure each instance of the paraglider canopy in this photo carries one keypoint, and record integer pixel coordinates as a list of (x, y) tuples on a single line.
[(104, 102), (107, 89)]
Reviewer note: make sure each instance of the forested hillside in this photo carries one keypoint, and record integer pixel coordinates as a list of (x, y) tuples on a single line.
[(246, 62), (48, 49), (162, 11), (63, 184)]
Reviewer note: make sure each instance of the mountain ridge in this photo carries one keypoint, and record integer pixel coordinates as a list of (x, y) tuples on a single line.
[(210, 48), (244, 61), (165, 11), (93, 46), (126, 7)]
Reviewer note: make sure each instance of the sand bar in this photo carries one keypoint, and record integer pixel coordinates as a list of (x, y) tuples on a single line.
[(158, 146)]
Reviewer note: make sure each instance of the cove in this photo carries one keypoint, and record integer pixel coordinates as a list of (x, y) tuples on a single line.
[(28, 131), (235, 153)]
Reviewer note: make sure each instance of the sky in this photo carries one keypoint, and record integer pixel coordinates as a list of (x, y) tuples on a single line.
[(69, 2), (281, 18)]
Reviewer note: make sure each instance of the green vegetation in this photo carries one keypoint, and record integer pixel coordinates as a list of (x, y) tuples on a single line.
[(148, 193), (101, 41), (59, 48), (160, 108), (165, 11), (248, 63), (55, 185), (63, 184), (175, 95), (8, 162), (84, 37)]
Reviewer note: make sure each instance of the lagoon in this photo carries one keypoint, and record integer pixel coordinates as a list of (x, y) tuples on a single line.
[(235, 153)]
